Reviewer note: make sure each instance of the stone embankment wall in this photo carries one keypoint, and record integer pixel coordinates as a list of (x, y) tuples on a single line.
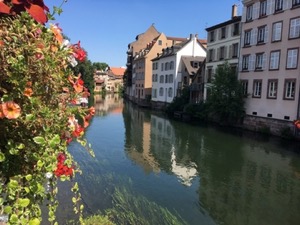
[(274, 126)]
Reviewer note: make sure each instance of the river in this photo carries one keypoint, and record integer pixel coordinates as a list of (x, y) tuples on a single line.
[(149, 169)]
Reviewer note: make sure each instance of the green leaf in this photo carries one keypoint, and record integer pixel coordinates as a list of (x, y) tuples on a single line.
[(39, 140), (13, 218), (29, 117), (24, 202), (35, 221), (28, 177), (21, 146), (2, 157), (54, 141), (13, 184), (8, 209)]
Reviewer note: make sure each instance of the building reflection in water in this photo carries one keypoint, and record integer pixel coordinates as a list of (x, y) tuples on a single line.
[(109, 103), (241, 180), (151, 141)]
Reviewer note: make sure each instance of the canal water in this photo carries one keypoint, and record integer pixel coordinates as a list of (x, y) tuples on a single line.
[(149, 169)]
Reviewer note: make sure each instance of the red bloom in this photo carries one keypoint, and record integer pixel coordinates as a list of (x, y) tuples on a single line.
[(61, 168), (11, 110), (78, 52), (36, 8), (78, 131)]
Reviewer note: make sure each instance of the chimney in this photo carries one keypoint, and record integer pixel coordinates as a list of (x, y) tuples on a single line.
[(234, 11)]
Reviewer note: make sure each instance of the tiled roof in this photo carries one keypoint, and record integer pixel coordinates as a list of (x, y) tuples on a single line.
[(117, 71)]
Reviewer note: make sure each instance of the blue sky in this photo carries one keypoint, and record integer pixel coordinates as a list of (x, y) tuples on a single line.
[(106, 27)]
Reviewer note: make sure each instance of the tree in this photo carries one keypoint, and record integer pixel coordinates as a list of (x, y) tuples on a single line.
[(100, 66), (226, 98)]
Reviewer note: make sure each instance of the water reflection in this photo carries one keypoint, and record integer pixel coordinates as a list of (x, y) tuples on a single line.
[(242, 180), (146, 163), (109, 103)]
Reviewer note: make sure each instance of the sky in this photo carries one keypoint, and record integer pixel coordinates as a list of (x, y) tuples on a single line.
[(106, 27)]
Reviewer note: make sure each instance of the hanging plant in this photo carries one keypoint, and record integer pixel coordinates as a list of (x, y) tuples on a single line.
[(37, 119)]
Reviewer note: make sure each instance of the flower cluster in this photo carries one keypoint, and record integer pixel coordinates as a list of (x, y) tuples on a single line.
[(62, 168), (36, 8), (37, 118), (297, 123)]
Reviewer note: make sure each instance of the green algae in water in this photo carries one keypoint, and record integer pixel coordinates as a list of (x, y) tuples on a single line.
[(135, 210)]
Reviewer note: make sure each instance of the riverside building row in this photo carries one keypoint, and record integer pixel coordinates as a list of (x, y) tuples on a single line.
[(262, 45)]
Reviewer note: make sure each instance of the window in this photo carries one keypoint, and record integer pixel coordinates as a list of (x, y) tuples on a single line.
[(209, 74), (249, 13), (263, 8), (161, 91), (223, 32), (278, 5), (222, 53), (244, 87), (245, 63), (161, 79), (171, 78), (159, 42), (170, 92), (171, 65), (289, 89), (166, 79), (153, 78), (296, 3), (162, 67), (276, 31), (166, 66), (212, 36), (236, 29), (257, 88), (272, 88), (261, 33), (154, 93), (294, 28), (259, 61), (235, 49), (211, 55), (274, 60), (247, 38), (292, 58)]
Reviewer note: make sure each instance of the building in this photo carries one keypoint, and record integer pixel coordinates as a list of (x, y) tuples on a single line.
[(269, 62), (223, 44), (115, 81), (170, 69), (134, 47)]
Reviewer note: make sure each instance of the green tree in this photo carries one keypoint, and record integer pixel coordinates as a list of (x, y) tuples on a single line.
[(85, 68), (100, 65), (226, 99)]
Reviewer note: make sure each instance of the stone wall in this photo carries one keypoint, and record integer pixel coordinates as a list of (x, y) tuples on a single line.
[(274, 126)]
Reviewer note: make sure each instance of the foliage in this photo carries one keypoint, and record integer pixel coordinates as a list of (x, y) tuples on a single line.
[(97, 220), (37, 119), (131, 209), (226, 100), (198, 111), (85, 68), (179, 102), (99, 66)]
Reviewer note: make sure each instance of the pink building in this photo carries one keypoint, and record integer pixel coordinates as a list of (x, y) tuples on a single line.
[(269, 62)]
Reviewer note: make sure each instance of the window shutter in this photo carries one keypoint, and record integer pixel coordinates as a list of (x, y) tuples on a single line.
[(230, 51), (240, 64), (287, 4), (244, 14), (251, 62), (266, 34), (243, 39), (225, 52), (264, 61), (255, 10), (270, 7), (253, 40), (218, 54)]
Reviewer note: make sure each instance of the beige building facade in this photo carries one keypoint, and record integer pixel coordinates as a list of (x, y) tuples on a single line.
[(269, 58)]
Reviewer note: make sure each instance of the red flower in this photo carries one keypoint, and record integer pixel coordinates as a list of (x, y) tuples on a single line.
[(36, 8), (78, 52), (78, 131), (61, 168), (11, 110)]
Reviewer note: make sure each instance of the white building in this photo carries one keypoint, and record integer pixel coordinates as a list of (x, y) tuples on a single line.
[(167, 69)]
